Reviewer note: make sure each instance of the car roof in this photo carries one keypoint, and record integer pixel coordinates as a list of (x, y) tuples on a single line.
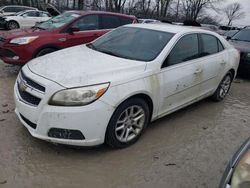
[(170, 28), (100, 12), (19, 6)]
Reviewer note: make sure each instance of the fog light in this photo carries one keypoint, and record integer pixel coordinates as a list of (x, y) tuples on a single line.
[(15, 57), (65, 134)]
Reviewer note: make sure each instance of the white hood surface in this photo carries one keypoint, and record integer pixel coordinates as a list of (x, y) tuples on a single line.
[(81, 66)]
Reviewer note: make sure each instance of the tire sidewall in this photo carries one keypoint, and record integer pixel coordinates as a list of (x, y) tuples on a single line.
[(12, 22), (110, 137), (217, 96)]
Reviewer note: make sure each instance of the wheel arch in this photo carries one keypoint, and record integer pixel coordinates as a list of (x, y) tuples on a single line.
[(13, 21), (144, 97), (53, 46), (233, 72)]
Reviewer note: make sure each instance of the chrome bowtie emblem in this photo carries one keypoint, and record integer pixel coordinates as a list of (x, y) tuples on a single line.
[(22, 86)]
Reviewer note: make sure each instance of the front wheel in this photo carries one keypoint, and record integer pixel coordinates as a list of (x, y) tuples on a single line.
[(127, 123), (223, 88), (12, 25)]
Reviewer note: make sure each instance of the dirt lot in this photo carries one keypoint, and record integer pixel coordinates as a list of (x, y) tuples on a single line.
[(188, 149)]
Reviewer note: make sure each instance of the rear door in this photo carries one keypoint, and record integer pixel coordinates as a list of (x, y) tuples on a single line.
[(213, 60), (89, 30), (29, 19), (180, 75)]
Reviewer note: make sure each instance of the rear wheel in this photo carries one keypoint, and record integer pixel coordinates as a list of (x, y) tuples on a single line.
[(45, 51), (223, 88), (12, 25), (127, 123)]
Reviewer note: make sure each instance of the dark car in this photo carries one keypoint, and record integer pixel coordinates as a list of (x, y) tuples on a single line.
[(237, 173), (241, 41), (65, 30)]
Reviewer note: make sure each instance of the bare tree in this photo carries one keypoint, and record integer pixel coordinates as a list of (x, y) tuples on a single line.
[(234, 12)]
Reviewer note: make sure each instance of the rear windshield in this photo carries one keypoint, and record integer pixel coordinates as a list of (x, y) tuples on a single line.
[(133, 43), (58, 21)]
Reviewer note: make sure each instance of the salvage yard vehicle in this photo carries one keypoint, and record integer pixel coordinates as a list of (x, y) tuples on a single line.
[(12, 9), (241, 41), (24, 19), (65, 30), (109, 90)]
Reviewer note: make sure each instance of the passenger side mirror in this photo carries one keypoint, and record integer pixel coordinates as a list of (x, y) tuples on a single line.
[(74, 28), (228, 38)]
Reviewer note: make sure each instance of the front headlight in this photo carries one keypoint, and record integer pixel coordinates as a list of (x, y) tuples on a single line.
[(78, 96), (23, 40)]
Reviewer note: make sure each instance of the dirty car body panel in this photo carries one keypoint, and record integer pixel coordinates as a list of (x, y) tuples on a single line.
[(168, 86)]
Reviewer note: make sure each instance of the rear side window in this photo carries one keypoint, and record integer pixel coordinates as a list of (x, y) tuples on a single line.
[(86, 23), (109, 21), (125, 21), (9, 9), (31, 14), (209, 45), (187, 48)]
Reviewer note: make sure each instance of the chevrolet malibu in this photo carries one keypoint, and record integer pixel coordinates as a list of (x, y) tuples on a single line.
[(109, 90)]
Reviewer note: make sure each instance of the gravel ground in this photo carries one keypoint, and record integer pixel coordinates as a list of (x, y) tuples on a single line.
[(188, 149)]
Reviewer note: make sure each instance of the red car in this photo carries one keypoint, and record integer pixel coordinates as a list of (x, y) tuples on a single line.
[(65, 30)]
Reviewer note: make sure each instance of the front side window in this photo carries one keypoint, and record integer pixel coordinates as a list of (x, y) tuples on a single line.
[(87, 23), (132, 43), (209, 45), (110, 22), (187, 48)]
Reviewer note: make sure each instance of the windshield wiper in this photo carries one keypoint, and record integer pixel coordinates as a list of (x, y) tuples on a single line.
[(90, 45), (37, 27), (110, 53)]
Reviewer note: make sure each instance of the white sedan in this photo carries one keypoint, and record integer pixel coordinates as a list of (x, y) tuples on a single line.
[(26, 19), (109, 90)]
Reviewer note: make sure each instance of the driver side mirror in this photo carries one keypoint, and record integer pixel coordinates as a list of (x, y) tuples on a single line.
[(1, 11), (228, 38), (74, 28)]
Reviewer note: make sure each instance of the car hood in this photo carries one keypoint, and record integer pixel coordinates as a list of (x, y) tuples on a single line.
[(242, 46), (80, 66), (21, 33)]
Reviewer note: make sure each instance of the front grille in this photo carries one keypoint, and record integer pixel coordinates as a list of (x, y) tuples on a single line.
[(31, 82), (32, 125), (6, 53), (27, 97)]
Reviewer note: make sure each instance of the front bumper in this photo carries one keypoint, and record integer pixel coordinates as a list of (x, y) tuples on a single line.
[(91, 120), (15, 54)]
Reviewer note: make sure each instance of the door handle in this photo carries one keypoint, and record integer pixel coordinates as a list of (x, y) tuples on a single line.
[(198, 71), (223, 63)]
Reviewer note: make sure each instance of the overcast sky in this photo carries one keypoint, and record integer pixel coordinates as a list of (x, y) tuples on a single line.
[(246, 6)]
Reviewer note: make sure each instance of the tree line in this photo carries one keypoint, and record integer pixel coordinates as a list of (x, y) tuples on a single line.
[(205, 11)]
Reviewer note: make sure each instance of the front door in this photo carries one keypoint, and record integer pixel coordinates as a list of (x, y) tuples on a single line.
[(89, 30), (180, 76)]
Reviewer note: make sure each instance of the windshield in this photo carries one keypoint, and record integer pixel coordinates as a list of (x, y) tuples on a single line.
[(58, 21), (133, 43), (243, 35), (19, 13)]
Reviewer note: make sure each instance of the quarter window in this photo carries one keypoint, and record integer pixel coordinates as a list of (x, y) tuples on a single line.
[(187, 48), (110, 22), (220, 46), (87, 23)]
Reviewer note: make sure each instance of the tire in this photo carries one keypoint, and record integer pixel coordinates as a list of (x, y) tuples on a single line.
[(45, 51), (126, 125), (12, 25), (223, 88)]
